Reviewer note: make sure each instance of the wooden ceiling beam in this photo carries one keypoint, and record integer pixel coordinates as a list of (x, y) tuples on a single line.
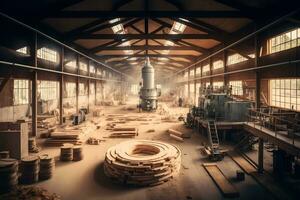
[(156, 14), (145, 36)]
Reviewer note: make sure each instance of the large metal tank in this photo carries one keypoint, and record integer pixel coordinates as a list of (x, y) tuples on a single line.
[(236, 110), (148, 92)]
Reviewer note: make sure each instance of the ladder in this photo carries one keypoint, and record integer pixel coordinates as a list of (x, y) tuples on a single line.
[(213, 135)]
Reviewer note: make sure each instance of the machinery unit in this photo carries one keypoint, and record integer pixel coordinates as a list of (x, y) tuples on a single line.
[(221, 106), (148, 92)]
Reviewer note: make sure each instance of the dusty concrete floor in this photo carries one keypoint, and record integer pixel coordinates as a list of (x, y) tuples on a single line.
[(85, 179)]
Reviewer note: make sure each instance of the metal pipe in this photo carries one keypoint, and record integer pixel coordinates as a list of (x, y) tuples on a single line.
[(248, 69), (52, 71), (55, 40), (240, 40)]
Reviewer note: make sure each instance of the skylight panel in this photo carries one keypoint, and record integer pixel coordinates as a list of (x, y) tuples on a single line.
[(23, 50)]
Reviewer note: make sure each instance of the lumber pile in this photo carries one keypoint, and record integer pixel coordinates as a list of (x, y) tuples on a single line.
[(123, 132), (94, 141), (47, 165), (30, 169), (46, 121), (8, 175), (66, 152), (177, 135), (142, 162), (110, 126), (69, 152), (45, 124), (59, 137), (77, 153), (4, 154)]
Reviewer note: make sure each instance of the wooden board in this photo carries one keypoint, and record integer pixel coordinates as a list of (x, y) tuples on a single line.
[(242, 162), (226, 188)]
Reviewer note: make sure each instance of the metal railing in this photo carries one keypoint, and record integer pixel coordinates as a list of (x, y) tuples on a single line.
[(265, 117)]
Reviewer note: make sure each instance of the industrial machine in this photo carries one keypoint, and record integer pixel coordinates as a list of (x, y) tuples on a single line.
[(215, 105), (148, 92), (220, 105)]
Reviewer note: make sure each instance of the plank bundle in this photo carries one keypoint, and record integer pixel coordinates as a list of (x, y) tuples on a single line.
[(66, 152), (93, 141), (8, 174), (58, 138), (77, 153), (123, 132), (179, 134), (47, 165), (142, 162), (30, 169), (4, 154)]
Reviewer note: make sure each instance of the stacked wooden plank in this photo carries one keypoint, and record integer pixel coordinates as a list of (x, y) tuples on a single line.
[(58, 138), (45, 124), (97, 112), (77, 153), (4, 154), (47, 165), (177, 135), (123, 132), (66, 152), (94, 141), (142, 162), (8, 175), (30, 169)]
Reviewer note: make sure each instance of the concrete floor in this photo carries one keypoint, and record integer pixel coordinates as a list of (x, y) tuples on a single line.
[(85, 179)]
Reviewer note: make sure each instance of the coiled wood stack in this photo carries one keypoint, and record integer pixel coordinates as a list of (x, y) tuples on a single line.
[(30, 169), (47, 165), (142, 162), (8, 174)]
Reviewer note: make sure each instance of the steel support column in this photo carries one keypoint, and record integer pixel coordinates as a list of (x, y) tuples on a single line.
[(257, 73), (61, 87), (89, 82), (34, 88), (34, 103), (225, 67), (77, 84), (260, 168), (210, 71)]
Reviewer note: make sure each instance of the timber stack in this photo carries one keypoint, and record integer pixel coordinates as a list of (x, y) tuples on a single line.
[(142, 162), (77, 153), (4, 154), (47, 165), (8, 175), (30, 169), (66, 152)]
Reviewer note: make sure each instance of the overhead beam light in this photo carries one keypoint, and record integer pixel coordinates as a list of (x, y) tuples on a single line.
[(119, 29), (177, 28)]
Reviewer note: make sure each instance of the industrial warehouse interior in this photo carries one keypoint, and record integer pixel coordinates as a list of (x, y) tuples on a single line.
[(149, 99)]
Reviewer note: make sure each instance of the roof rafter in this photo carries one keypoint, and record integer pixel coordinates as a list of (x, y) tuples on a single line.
[(160, 14), (145, 36), (150, 47)]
